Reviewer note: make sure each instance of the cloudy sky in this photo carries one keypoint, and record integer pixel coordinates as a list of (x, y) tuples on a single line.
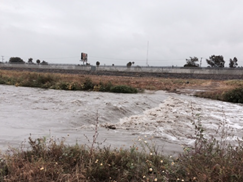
[(153, 32)]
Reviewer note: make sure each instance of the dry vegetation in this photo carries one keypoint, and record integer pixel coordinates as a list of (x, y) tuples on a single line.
[(209, 159), (149, 83), (213, 89)]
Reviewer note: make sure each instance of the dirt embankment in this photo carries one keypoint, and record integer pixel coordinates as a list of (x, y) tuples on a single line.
[(210, 86)]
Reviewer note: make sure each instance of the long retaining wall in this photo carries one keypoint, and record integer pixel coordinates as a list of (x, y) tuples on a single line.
[(49, 66), (134, 71), (223, 71)]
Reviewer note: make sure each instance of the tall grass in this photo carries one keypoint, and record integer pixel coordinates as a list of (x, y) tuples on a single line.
[(209, 159)]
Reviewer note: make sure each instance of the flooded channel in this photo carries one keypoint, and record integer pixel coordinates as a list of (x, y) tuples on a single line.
[(122, 119)]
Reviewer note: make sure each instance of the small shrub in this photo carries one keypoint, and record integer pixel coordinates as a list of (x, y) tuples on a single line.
[(10, 81), (66, 86), (46, 85), (88, 84), (42, 79), (62, 86), (37, 80), (73, 86), (123, 89), (2, 80), (3, 168), (235, 95), (105, 87)]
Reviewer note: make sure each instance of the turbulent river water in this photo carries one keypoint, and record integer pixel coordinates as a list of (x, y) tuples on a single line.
[(122, 119)]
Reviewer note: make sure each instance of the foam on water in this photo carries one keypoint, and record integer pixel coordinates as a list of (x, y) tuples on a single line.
[(173, 119)]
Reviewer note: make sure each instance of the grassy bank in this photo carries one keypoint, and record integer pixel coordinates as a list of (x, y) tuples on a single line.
[(141, 83), (61, 82), (52, 160), (230, 90)]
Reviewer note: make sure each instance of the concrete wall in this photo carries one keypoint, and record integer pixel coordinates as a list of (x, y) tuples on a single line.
[(224, 71), (49, 66)]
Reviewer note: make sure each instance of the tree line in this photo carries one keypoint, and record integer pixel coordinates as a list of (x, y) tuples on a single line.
[(18, 60), (213, 61)]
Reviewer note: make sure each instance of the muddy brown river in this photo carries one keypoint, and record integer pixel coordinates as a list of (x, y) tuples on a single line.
[(122, 119)]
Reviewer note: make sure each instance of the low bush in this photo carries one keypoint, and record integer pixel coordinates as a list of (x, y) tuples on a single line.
[(215, 95), (231, 95), (105, 87), (123, 89), (36, 80), (88, 84), (74, 86), (43, 79), (2, 80), (235, 95), (62, 86)]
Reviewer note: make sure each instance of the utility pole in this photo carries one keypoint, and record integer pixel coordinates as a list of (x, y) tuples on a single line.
[(201, 62), (2, 58), (147, 53)]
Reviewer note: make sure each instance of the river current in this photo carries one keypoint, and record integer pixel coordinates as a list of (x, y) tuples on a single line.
[(122, 120)]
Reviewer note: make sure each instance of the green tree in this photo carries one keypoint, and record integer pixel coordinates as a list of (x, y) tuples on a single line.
[(216, 61), (97, 63), (192, 62), (16, 60), (129, 64), (38, 61), (30, 60), (233, 63), (44, 63)]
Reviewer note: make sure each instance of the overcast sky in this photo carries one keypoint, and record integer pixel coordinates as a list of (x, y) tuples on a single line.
[(157, 32)]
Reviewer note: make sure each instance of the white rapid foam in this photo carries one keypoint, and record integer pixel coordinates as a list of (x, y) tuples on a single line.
[(172, 120)]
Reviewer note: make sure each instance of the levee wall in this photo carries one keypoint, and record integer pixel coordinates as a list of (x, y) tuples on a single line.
[(224, 71), (49, 66), (182, 70)]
